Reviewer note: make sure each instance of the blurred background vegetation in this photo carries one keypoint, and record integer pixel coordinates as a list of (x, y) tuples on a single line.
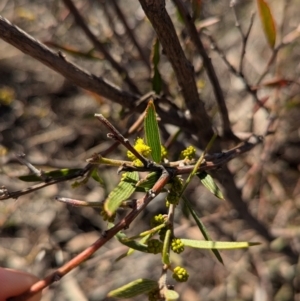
[(52, 121)]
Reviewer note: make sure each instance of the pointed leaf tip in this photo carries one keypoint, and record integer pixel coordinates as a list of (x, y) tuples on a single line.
[(208, 181), (267, 22), (202, 228), (152, 132), (220, 245)]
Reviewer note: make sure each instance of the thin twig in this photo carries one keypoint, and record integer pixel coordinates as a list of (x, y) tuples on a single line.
[(236, 72), (212, 161), (58, 62), (277, 48), (281, 44), (107, 235), (162, 24), (272, 59), (79, 203), (33, 169), (100, 47), (244, 41), (121, 139), (27, 44), (130, 33), (209, 69), (5, 194), (244, 36)]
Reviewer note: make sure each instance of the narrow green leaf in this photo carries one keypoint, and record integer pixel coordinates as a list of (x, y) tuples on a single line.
[(166, 248), (202, 228), (123, 239), (198, 163), (156, 77), (131, 251), (210, 184), (30, 178), (156, 81), (58, 173), (220, 245), (134, 288), (148, 182), (171, 295), (121, 193), (267, 22), (198, 221), (152, 132), (132, 244)]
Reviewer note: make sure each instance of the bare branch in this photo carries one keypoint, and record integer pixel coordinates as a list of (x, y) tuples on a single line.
[(33, 169), (56, 61), (121, 139), (244, 36), (236, 72), (99, 46), (162, 24), (107, 235), (78, 203), (213, 161), (130, 33), (209, 69)]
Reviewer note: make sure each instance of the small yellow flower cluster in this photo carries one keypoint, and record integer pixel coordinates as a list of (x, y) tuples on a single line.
[(180, 274), (141, 148), (188, 153), (157, 220), (177, 246), (145, 150), (164, 152)]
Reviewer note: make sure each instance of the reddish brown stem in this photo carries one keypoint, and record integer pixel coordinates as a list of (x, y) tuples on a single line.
[(76, 261)]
